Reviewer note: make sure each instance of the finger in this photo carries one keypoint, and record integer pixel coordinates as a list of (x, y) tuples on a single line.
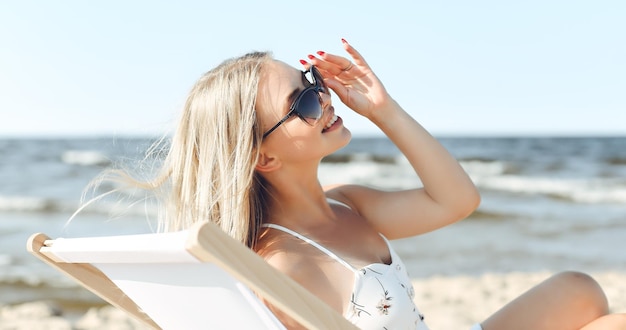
[(356, 56), (338, 61), (305, 64), (332, 64), (340, 64), (334, 74), (340, 89)]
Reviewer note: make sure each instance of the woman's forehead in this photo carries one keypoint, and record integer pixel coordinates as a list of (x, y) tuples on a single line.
[(278, 82), (279, 70)]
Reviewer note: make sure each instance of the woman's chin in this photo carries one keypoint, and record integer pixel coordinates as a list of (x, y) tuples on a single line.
[(346, 136)]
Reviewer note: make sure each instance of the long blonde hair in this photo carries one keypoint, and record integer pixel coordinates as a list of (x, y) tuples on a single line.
[(209, 171)]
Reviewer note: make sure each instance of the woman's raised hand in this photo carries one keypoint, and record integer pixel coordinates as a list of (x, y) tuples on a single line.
[(353, 81)]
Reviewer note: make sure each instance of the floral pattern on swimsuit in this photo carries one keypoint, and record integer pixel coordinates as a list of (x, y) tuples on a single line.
[(383, 298)]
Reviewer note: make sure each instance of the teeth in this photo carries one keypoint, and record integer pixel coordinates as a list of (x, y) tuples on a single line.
[(332, 121)]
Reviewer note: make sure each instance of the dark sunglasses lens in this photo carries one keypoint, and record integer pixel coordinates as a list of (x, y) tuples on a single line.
[(309, 107)]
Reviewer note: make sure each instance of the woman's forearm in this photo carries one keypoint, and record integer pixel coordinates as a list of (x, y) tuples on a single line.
[(443, 178)]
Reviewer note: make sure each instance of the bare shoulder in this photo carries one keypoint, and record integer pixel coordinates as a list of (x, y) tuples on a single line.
[(284, 253), (302, 262), (350, 194), (277, 250)]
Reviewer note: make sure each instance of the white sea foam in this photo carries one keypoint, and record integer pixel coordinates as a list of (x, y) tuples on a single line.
[(123, 208), (596, 194), (24, 204), (481, 168), (5, 259), (486, 175), (576, 189), (384, 176), (84, 158)]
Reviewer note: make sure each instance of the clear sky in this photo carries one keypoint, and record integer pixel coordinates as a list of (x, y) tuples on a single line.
[(484, 67)]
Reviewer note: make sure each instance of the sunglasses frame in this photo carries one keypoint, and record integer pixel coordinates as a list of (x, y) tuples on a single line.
[(317, 86)]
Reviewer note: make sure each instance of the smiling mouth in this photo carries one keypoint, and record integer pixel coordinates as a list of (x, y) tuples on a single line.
[(330, 123)]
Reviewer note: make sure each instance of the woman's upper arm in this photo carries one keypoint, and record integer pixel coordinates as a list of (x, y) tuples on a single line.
[(399, 214)]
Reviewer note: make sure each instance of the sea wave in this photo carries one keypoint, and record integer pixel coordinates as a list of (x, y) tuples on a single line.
[(583, 190), (485, 168), (85, 158), (111, 207), (123, 208), (28, 204), (487, 175), (5, 259), (385, 176)]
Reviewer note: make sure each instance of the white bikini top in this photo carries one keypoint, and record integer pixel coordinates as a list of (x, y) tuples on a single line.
[(382, 295)]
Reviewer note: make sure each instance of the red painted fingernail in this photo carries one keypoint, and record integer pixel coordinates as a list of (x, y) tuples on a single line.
[(344, 41), (311, 56), (321, 53), (303, 62)]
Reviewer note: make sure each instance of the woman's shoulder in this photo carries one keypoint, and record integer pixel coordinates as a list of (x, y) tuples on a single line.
[(343, 193), (352, 195), (291, 257), (282, 251)]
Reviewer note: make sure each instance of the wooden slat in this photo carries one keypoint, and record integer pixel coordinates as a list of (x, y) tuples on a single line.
[(91, 278), (209, 243)]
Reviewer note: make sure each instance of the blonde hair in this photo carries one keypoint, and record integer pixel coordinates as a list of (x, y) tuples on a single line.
[(209, 171)]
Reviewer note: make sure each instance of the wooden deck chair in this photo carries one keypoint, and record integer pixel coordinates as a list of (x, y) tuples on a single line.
[(199, 278)]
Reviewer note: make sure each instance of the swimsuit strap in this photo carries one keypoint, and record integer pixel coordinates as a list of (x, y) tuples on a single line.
[(311, 242)]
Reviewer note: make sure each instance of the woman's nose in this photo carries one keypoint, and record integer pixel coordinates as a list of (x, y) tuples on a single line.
[(324, 98)]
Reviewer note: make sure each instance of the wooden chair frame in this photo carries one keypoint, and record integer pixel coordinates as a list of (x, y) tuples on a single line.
[(208, 243)]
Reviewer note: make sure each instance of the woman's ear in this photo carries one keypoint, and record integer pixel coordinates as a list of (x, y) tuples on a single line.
[(267, 163)]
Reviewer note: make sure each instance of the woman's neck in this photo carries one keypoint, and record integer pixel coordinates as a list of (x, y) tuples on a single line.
[(298, 202)]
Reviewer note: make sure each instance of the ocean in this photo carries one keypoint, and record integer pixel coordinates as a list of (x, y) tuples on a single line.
[(548, 204)]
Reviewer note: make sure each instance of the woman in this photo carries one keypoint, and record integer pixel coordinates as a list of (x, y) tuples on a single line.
[(246, 155)]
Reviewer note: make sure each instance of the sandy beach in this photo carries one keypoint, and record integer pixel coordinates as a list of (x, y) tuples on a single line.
[(449, 303)]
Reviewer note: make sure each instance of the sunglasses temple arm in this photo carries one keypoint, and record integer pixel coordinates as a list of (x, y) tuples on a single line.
[(278, 124)]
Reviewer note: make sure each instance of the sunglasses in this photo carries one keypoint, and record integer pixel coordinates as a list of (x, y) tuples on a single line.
[(308, 104)]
